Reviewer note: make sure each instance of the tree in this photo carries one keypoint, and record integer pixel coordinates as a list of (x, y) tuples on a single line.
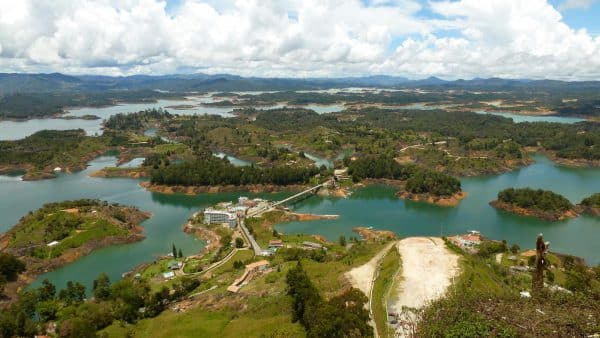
[(303, 292), (101, 287), (77, 328), (73, 294), (174, 250), (179, 253), (47, 291), (515, 248), (342, 240), (10, 266), (239, 243), (342, 316)]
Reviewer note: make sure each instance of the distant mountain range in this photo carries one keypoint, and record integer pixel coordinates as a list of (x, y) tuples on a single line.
[(27, 83)]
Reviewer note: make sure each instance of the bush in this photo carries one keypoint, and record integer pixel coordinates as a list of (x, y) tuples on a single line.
[(488, 248)]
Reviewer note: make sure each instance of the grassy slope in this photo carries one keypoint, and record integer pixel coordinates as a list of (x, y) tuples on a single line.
[(52, 223), (387, 273), (261, 309)]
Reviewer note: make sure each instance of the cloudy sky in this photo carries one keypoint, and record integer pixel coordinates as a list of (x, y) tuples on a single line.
[(557, 39)]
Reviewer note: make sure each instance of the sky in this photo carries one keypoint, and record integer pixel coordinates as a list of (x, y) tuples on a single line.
[(451, 39)]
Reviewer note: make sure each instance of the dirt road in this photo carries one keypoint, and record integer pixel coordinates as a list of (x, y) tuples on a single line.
[(362, 277)]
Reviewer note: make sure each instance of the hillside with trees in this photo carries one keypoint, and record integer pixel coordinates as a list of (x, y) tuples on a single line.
[(40, 153), (208, 170)]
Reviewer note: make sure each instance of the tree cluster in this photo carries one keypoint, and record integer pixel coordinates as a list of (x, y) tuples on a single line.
[(209, 170), (528, 198), (341, 316), (125, 300), (136, 121), (592, 201), (418, 180)]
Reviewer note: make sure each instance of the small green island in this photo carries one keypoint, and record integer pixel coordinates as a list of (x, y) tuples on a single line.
[(60, 233), (590, 205), (538, 203)]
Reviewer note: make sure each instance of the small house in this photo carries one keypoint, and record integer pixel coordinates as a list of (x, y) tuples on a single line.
[(276, 243), (257, 266), (168, 275), (175, 265)]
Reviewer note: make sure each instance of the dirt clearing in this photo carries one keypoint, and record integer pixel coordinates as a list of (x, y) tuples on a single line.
[(427, 271)]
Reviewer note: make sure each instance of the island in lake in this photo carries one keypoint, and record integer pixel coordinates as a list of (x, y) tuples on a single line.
[(538, 203)]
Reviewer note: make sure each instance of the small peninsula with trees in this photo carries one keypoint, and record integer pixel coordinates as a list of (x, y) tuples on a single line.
[(60, 233), (416, 183), (590, 205), (538, 203)]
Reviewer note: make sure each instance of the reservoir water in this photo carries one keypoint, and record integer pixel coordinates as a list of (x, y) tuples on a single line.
[(193, 105), (534, 118), (374, 206), (377, 206), (169, 214)]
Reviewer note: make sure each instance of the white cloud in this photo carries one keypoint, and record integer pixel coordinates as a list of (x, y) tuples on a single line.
[(506, 38), (510, 38)]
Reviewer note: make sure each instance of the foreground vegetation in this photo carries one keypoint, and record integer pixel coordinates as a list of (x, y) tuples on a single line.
[(485, 301)]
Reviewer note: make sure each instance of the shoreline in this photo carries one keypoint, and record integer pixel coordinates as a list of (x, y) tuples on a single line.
[(117, 172), (35, 267), (48, 171), (195, 190), (588, 210), (544, 215), (444, 201)]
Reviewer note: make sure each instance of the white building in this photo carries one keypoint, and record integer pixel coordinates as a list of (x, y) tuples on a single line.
[(212, 216)]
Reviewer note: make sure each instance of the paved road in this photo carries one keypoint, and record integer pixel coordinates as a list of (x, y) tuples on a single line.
[(257, 249)]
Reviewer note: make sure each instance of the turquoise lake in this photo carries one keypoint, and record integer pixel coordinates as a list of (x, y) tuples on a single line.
[(378, 206), (375, 206)]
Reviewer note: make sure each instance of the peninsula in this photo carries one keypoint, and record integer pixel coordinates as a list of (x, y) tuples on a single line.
[(60, 233)]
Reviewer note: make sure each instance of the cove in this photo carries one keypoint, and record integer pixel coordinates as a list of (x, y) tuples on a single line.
[(377, 206), (169, 213)]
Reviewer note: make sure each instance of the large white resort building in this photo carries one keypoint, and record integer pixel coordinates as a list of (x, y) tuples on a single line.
[(228, 212), (212, 216)]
